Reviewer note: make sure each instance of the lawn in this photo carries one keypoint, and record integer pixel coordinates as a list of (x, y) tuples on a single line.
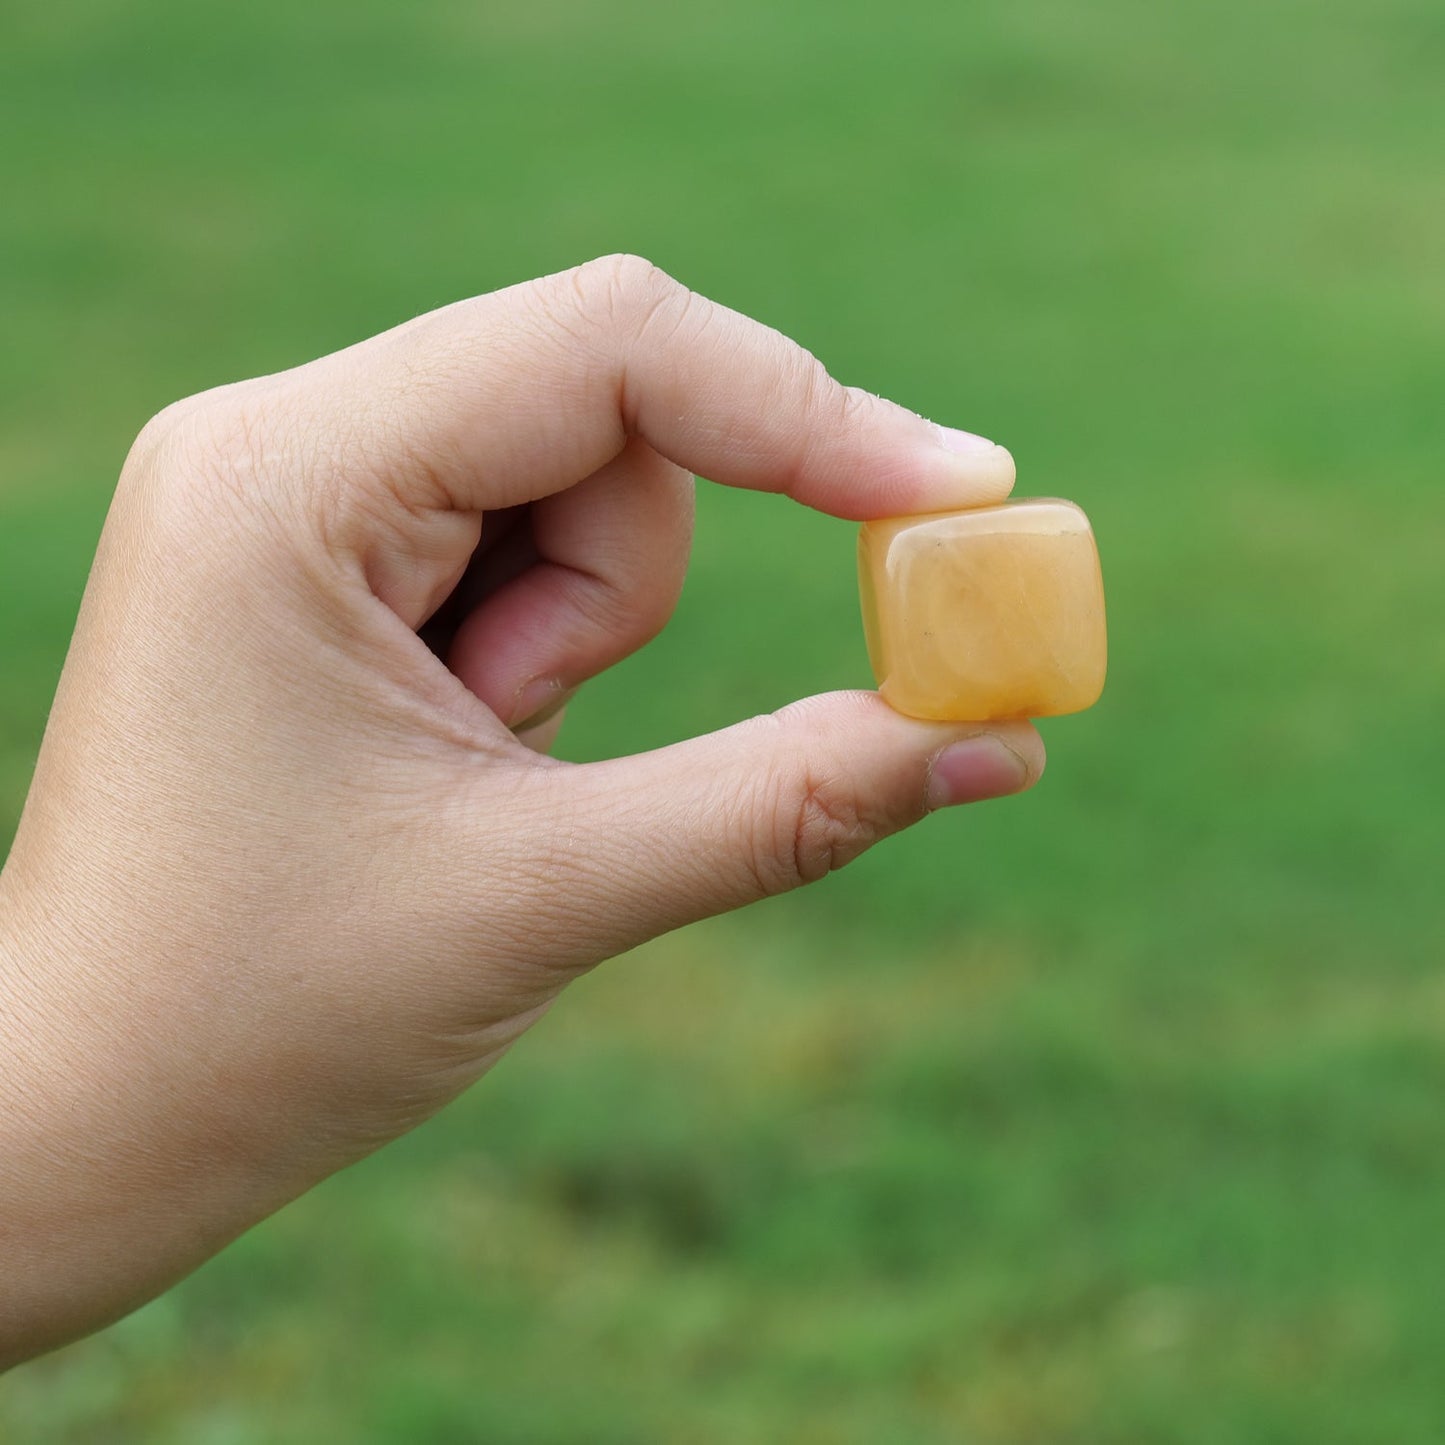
[(1106, 1116)]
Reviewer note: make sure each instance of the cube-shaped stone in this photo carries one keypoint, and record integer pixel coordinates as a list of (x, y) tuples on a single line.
[(985, 614)]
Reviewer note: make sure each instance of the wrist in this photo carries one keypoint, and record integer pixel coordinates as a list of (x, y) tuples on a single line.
[(110, 1190)]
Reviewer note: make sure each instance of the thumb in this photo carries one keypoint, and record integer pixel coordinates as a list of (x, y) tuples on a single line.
[(781, 800)]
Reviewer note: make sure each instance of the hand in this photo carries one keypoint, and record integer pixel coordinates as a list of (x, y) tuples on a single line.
[(290, 877)]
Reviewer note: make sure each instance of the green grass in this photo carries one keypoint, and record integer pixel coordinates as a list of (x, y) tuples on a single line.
[(1108, 1116)]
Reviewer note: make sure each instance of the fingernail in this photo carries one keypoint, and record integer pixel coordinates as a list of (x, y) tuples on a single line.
[(976, 768), (536, 701), (952, 440)]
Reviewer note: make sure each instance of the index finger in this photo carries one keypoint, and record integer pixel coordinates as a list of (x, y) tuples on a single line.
[(508, 397)]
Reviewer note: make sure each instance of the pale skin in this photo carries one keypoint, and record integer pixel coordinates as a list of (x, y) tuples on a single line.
[(296, 868)]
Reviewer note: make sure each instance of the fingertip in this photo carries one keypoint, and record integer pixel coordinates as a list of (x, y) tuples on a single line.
[(967, 471), (1022, 738), (536, 702), (540, 734), (1008, 758), (962, 443)]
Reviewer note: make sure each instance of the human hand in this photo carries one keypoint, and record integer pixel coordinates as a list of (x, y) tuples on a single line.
[(293, 871)]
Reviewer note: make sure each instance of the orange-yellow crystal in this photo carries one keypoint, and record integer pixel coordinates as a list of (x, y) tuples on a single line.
[(996, 612)]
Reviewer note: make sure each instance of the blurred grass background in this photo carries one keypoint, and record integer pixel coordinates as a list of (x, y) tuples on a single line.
[(1104, 1116)]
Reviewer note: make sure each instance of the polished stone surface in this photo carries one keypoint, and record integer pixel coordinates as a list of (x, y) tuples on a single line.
[(991, 613)]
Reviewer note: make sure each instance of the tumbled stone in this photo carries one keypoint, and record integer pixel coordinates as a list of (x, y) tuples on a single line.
[(985, 614)]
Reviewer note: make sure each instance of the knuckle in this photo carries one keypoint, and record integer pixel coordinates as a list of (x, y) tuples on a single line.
[(813, 826), (629, 306), (629, 294), (853, 404), (824, 407), (811, 383), (167, 436), (217, 455), (605, 608), (213, 434), (829, 831), (621, 280)]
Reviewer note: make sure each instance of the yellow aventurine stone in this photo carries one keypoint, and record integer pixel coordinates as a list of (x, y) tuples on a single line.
[(996, 612)]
